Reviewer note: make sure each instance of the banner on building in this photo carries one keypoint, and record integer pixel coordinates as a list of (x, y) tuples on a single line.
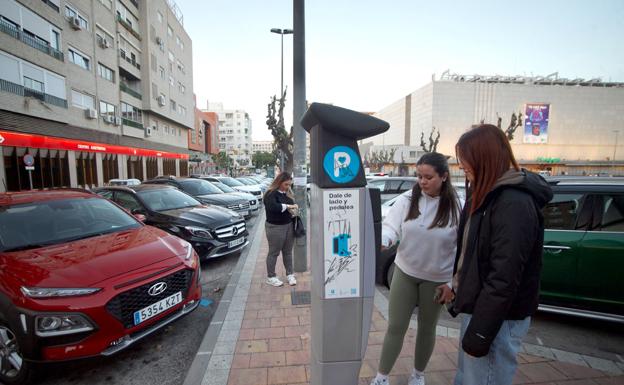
[(536, 123)]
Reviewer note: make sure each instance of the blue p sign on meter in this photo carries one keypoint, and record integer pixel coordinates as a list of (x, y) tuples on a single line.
[(341, 164)]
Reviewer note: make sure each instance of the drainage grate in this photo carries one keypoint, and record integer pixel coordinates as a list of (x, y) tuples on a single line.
[(300, 297)]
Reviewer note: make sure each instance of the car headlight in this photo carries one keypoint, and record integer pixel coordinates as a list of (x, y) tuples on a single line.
[(198, 232), (51, 292), (189, 251), (61, 324)]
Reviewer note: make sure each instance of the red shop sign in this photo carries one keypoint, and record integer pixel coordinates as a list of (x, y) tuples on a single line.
[(14, 139)]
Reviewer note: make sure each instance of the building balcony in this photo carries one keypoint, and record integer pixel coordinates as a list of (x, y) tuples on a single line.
[(123, 55), (30, 40), (27, 92), (127, 26), (126, 88), (132, 123)]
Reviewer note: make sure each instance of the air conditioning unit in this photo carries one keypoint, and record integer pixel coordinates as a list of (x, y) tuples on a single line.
[(91, 113), (161, 100), (148, 131), (117, 121), (104, 43), (109, 119), (75, 23), (159, 41)]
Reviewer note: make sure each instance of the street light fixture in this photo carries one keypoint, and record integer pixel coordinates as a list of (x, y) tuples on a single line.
[(282, 32)]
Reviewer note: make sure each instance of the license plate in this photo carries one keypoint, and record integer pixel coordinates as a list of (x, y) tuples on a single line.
[(157, 308), (244, 213), (236, 242)]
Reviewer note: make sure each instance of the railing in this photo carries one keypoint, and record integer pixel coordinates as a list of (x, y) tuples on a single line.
[(122, 54), (131, 123), (27, 92), (125, 88), (128, 27), (31, 41), (52, 5)]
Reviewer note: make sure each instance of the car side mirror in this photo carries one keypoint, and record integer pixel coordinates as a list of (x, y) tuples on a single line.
[(140, 217)]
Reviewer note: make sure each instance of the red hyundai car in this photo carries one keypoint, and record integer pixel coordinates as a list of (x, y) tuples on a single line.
[(81, 277)]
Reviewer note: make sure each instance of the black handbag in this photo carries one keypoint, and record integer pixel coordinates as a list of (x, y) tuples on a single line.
[(299, 229)]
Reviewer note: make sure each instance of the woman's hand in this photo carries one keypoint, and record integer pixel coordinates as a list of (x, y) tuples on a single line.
[(444, 294)]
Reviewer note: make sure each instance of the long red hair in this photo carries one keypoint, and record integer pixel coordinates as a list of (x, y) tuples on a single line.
[(486, 150)]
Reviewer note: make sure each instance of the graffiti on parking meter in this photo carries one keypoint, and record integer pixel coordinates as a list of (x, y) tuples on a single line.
[(341, 243), (341, 164)]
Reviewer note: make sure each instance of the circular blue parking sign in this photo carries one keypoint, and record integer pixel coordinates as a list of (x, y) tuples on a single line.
[(341, 164), (29, 160)]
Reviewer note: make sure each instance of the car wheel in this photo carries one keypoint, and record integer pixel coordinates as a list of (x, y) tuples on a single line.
[(13, 369), (389, 274)]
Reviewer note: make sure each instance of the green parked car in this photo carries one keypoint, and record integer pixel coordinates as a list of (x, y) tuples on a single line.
[(583, 271)]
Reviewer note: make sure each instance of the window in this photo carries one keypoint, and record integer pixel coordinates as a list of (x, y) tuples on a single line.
[(79, 59), (178, 40), (161, 72), (613, 213), (174, 107), (107, 3), (181, 88), (107, 109), (562, 211), (106, 72), (81, 100), (55, 40), (182, 110), (182, 45), (72, 13), (171, 80), (171, 56), (33, 84), (131, 112), (127, 201), (169, 31), (159, 16), (104, 39)]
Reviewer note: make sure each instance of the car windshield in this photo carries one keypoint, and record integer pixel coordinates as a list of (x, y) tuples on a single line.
[(38, 224), (199, 187), (246, 181), (223, 187), (231, 182), (167, 199)]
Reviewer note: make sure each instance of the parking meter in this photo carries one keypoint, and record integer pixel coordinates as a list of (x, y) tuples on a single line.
[(344, 215)]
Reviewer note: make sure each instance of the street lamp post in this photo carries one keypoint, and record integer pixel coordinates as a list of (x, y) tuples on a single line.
[(615, 146), (282, 32)]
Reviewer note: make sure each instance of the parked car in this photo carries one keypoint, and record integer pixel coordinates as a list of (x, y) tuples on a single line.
[(206, 193), (254, 201), (212, 230), (385, 207), (583, 259), (250, 182), (81, 277), (236, 185), (124, 182), (392, 186)]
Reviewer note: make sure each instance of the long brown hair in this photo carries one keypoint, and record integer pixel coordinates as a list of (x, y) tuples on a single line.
[(448, 208), (486, 150), (279, 179)]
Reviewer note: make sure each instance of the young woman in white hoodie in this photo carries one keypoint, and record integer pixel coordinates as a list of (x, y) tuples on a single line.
[(425, 222)]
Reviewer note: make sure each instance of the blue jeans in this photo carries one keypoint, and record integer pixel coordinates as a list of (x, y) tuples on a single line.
[(499, 365)]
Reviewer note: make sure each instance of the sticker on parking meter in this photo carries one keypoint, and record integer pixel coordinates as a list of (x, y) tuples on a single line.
[(341, 243), (341, 164)]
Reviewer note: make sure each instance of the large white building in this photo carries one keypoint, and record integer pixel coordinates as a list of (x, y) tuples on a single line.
[(234, 134), (93, 90), (564, 120), (262, 146)]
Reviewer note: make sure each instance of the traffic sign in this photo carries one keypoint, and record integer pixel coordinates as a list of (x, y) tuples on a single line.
[(29, 160)]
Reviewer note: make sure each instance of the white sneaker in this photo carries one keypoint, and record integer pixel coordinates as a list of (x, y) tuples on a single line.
[(291, 279), (377, 381), (416, 379), (274, 281)]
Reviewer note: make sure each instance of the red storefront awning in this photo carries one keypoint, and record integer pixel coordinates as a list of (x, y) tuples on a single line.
[(14, 139)]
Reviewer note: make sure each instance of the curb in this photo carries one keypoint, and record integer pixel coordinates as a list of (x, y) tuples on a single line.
[(216, 350)]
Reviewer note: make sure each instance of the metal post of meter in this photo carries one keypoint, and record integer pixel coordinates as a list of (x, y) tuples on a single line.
[(299, 146), (30, 178)]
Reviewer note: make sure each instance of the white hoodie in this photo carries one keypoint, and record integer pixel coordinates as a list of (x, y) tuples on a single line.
[(423, 253)]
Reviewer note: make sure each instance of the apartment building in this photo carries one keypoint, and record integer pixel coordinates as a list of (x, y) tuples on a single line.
[(93, 90), (234, 134), (262, 146)]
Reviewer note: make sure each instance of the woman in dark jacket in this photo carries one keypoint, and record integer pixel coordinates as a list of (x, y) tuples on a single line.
[(499, 256), (280, 208)]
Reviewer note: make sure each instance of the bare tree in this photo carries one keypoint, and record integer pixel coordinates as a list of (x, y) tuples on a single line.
[(381, 157), (282, 139), (433, 142), (515, 122)]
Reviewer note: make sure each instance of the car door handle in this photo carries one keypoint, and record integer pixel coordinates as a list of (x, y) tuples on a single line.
[(555, 249)]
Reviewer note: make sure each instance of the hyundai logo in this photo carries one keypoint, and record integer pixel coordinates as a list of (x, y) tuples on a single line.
[(240, 206), (157, 288), (235, 230)]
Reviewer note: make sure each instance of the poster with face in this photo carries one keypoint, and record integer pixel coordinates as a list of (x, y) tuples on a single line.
[(536, 123)]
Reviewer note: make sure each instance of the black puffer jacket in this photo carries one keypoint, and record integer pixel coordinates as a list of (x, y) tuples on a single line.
[(500, 273)]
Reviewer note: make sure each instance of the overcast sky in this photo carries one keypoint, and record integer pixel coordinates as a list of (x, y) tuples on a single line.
[(365, 54)]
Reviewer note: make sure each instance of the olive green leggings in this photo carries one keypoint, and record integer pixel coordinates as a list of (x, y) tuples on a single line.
[(407, 292)]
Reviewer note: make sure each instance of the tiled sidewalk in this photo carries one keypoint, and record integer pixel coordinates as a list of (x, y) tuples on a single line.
[(272, 344)]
